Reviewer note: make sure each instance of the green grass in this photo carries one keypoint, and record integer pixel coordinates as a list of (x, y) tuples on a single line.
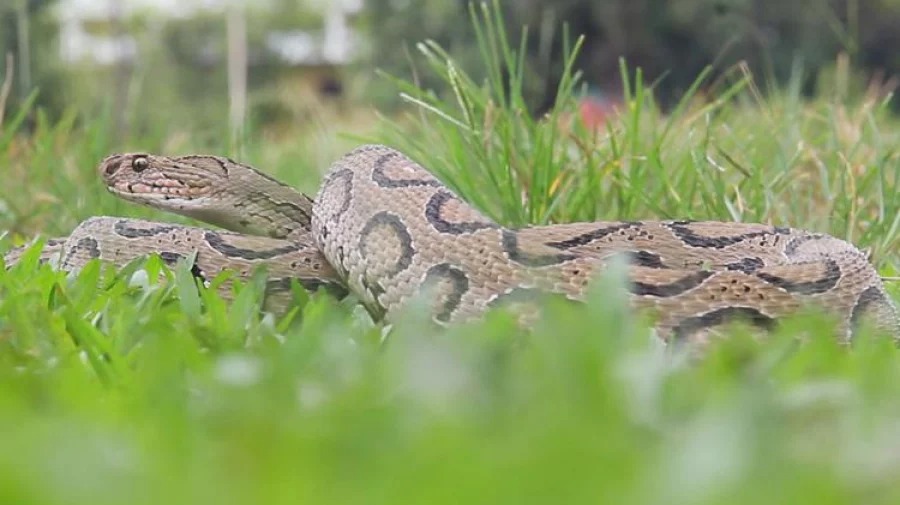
[(118, 390)]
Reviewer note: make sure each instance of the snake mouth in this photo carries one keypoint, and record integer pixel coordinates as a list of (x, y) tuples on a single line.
[(157, 190)]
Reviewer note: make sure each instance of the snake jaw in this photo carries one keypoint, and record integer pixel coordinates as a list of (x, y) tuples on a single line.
[(170, 190)]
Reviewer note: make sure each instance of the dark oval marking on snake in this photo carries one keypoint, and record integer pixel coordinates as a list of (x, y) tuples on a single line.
[(511, 247), (345, 175), (868, 299), (720, 316), (746, 265), (457, 278), (399, 230), (678, 287), (433, 213), (376, 309), (791, 247), (380, 178), (587, 238), (218, 243), (828, 281), (86, 243), (295, 213), (171, 258), (645, 259), (90, 245), (122, 228), (691, 238)]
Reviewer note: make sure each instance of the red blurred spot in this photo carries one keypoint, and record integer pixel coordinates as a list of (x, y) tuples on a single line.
[(595, 110)]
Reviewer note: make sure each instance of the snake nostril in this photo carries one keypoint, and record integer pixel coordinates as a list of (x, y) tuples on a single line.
[(111, 166)]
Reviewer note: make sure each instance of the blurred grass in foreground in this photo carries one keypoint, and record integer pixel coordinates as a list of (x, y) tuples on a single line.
[(119, 390)]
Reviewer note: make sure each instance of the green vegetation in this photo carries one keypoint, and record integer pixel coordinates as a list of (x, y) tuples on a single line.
[(119, 390), (671, 41)]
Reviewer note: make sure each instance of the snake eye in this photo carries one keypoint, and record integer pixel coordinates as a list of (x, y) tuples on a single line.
[(139, 164)]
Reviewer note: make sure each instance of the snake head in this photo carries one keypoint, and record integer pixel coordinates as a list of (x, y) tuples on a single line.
[(213, 189), (161, 181)]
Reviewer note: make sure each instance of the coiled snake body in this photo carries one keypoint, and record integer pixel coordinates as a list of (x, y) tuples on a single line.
[(384, 227)]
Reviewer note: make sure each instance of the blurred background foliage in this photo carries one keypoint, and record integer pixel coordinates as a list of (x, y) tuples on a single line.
[(672, 41), (162, 70)]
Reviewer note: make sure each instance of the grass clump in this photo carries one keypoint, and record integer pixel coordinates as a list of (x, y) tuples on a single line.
[(724, 152), (118, 388)]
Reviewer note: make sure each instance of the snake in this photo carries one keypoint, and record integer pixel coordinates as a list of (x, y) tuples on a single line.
[(387, 231)]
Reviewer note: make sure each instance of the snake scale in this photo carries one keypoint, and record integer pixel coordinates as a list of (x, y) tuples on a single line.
[(384, 228)]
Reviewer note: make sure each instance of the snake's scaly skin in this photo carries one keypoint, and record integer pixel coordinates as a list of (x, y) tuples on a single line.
[(385, 228)]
